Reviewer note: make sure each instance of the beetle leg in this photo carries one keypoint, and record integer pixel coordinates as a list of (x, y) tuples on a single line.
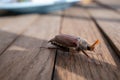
[(89, 58), (52, 47), (86, 54), (72, 50), (49, 47)]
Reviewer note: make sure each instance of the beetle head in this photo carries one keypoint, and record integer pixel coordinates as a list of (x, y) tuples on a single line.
[(92, 47)]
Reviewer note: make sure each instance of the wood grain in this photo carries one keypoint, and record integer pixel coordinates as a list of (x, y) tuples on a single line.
[(106, 64), (24, 59), (110, 4), (109, 23), (12, 27)]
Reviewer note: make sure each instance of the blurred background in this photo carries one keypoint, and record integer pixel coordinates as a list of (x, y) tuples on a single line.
[(33, 6)]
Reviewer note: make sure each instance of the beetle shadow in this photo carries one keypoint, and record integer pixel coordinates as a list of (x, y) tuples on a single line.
[(21, 54), (79, 66)]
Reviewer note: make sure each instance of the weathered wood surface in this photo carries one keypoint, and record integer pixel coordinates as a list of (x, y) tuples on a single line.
[(15, 26), (109, 22), (21, 39), (111, 4), (24, 59), (106, 65)]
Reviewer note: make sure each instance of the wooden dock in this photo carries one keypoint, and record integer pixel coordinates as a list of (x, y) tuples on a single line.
[(22, 36)]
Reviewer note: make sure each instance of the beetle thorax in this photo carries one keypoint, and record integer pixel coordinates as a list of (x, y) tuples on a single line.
[(83, 44)]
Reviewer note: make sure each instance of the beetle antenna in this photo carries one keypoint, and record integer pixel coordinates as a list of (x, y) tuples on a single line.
[(93, 45)]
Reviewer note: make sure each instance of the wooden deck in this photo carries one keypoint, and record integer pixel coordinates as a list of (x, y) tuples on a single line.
[(22, 36)]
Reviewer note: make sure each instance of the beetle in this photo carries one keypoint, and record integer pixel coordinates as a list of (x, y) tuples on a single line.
[(69, 43)]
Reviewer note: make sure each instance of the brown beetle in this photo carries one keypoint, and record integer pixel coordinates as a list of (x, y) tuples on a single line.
[(67, 43)]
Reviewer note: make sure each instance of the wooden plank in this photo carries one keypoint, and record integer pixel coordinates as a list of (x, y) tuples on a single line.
[(105, 67), (110, 4), (11, 27), (109, 22), (24, 59)]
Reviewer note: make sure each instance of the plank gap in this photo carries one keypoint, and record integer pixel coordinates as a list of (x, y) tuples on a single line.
[(55, 59), (106, 6), (106, 39)]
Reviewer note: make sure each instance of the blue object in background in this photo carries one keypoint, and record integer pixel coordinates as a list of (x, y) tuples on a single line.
[(39, 7)]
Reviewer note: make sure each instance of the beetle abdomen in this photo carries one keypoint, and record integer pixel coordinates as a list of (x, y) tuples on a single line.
[(60, 46)]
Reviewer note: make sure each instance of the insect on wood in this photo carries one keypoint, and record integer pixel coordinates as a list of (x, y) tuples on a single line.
[(72, 43)]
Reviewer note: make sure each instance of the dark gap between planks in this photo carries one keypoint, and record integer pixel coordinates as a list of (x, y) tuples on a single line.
[(56, 52), (106, 6), (53, 71), (108, 41), (102, 5)]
